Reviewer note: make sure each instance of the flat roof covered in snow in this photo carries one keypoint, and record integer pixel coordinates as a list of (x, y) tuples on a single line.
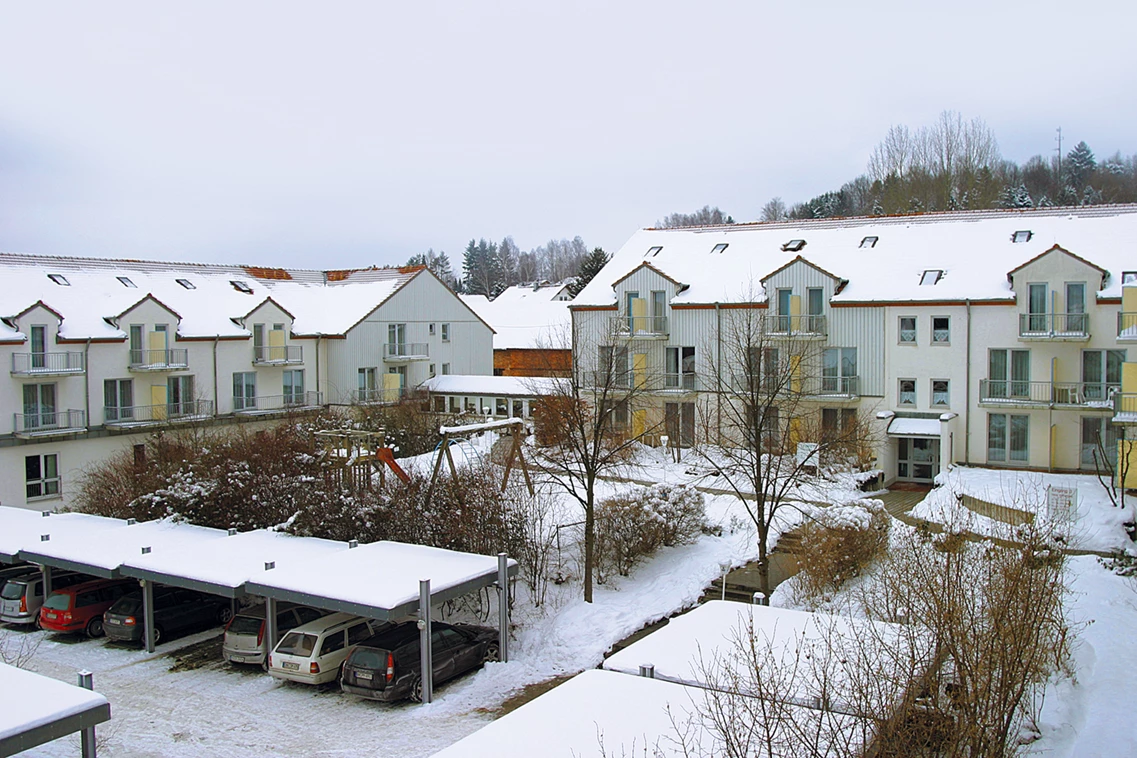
[(24, 529), (40, 709), (914, 427), (495, 386)]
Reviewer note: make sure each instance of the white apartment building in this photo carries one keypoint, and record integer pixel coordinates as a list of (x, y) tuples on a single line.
[(986, 337), (101, 353)]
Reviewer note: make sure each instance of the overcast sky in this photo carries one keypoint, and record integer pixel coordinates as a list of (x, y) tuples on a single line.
[(334, 134)]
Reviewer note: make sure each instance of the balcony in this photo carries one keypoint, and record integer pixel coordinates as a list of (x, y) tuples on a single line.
[(49, 423), (149, 415), (1058, 327), (684, 382), (266, 404), (1127, 327), (170, 359), (1125, 408), (278, 355), (1021, 394), (379, 395), (401, 352), (47, 364), (848, 387), (802, 327), (640, 327)]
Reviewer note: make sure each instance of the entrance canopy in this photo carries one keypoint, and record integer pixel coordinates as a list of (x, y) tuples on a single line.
[(22, 529), (914, 427), (38, 709)]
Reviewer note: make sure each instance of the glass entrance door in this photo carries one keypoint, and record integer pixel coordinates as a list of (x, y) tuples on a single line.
[(918, 459)]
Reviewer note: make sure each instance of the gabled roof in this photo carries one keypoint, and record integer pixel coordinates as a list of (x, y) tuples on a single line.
[(38, 304), (523, 316), (1056, 249), (269, 299), (145, 298), (645, 264), (801, 259)]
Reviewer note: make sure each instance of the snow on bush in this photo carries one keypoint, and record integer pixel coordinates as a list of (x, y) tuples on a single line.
[(634, 525), (839, 542)]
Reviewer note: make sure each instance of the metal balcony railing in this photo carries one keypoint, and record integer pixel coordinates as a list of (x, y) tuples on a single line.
[(611, 379), (43, 364), (803, 326), (380, 395), (840, 386), (406, 351), (686, 381), (1125, 408), (278, 354), (1127, 325), (44, 423), (1054, 325), (134, 415), (277, 403), (652, 327), (1013, 392), (172, 358)]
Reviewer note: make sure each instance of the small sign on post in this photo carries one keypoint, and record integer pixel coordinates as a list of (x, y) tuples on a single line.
[(1061, 502), (807, 455)]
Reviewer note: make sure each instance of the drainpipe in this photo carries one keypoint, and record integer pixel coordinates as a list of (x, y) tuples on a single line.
[(718, 374), (967, 400), (216, 397), (87, 381), (318, 338)]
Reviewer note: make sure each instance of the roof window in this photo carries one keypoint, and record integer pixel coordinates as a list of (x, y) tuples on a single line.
[(186, 283), (125, 281), (719, 247), (653, 251), (793, 246), (59, 279), (930, 277), (1129, 277), (869, 242), (1023, 235), (241, 286)]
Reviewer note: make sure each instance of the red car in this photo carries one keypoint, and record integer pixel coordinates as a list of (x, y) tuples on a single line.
[(80, 608)]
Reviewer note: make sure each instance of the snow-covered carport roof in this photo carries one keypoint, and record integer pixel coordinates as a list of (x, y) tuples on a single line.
[(379, 580), (224, 566), (104, 555), (22, 529), (43, 710)]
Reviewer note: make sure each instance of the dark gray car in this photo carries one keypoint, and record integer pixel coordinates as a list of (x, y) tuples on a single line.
[(175, 610)]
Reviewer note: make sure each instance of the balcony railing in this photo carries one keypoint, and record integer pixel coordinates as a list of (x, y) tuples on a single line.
[(798, 326), (1013, 392), (277, 403), (1127, 326), (611, 379), (1125, 408), (1054, 326), (839, 386), (278, 354), (45, 364), (380, 395), (684, 382), (139, 415), (642, 327), (170, 359), (47, 423), (406, 351)]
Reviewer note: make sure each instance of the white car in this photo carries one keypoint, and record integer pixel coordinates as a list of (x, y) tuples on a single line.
[(313, 653), (245, 634)]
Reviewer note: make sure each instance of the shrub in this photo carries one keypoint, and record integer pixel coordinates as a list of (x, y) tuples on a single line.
[(840, 542), (632, 526)]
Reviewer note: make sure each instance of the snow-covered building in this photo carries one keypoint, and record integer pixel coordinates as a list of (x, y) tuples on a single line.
[(102, 352), (531, 329), (986, 337)]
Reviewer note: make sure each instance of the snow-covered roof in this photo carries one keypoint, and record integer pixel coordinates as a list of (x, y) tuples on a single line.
[(378, 580), (24, 529), (98, 291), (500, 386), (525, 317), (39, 709), (914, 427), (974, 250), (104, 555)]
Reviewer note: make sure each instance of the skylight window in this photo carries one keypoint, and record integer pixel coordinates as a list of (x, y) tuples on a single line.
[(125, 280), (1129, 277), (653, 251), (930, 277), (241, 286), (869, 242), (186, 283), (719, 247), (59, 279), (793, 246), (1022, 235)]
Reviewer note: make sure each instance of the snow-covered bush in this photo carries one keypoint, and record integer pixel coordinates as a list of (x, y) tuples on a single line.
[(839, 542), (634, 525)]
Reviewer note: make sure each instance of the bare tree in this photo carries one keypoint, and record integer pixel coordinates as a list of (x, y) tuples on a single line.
[(705, 216), (774, 210)]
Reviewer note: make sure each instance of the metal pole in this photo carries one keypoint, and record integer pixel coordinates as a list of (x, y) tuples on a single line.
[(503, 605), (270, 624), (86, 681), (426, 658), (46, 571), (148, 612)]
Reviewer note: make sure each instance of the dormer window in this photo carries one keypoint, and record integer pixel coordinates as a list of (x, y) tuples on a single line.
[(241, 286), (653, 251), (930, 277), (59, 279), (719, 248), (869, 242), (793, 246), (125, 282), (1022, 235), (186, 283)]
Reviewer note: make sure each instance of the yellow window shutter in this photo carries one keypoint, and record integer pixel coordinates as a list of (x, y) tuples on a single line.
[(158, 400), (639, 422)]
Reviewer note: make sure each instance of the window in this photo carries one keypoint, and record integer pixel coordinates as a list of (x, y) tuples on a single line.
[(907, 392), (830, 417), (869, 242), (930, 277), (1129, 277), (1101, 373), (397, 337), (839, 371), (430, 371), (907, 330), (658, 312), (125, 281), (455, 404), (613, 366), (1023, 235), (501, 406), (358, 633), (793, 246), (41, 475), (941, 330), (294, 387), (941, 396), (1099, 443), (186, 283), (332, 643), (179, 395), (445, 333), (118, 399), (59, 279), (430, 329), (1076, 319), (718, 248), (1008, 373), (518, 409), (680, 368), (815, 301), (445, 369), (39, 406), (1007, 438), (244, 390), (653, 251), (39, 346), (366, 381), (241, 286), (1037, 298)]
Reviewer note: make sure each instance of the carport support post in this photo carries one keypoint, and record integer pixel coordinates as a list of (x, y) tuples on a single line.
[(503, 605), (46, 571), (270, 623), (426, 659), (148, 612), (86, 681)]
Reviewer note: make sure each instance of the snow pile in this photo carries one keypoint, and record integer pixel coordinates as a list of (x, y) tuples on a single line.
[(855, 516)]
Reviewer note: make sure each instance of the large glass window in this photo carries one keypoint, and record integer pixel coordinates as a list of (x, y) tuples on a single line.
[(118, 399), (39, 406), (179, 395), (39, 346), (1099, 443), (1101, 373), (1008, 438), (839, 371), (1008, 373), (294, 387), (680, 368), (244, 390)]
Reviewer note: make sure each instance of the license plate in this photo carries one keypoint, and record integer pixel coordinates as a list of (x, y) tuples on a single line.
[(52, 616), (290, 666), (113, 621), (364, 675)]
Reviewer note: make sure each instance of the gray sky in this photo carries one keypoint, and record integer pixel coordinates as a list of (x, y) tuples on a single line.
[(348, 133)]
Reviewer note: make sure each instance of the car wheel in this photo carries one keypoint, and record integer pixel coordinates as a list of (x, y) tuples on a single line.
[(224, 614), (492, 654), (416, 690), (158, 634), (38, 623), (95, 627)]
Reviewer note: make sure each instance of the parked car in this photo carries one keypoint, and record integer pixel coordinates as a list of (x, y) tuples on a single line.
[(245, 633), (22, 597), (175, 610), (312, 653), (387, 666), (80, 607), (17, 571)]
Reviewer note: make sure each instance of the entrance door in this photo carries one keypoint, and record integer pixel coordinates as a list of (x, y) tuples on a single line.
[(918, 459)]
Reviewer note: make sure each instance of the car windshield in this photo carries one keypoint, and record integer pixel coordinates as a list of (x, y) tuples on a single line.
[(296, 643), (245, 625), (13, 590), (126, 605), (59, 601), (368, 658)]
